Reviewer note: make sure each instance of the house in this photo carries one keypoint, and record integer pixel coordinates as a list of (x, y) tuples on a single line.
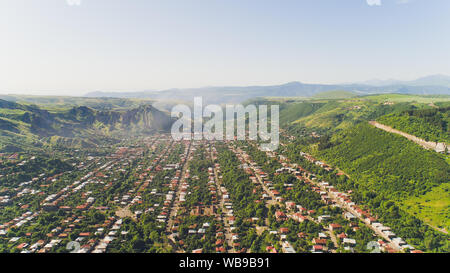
[(334, 226), (370, 220), (317, 248), (220, 249), (201, 231), (284, 230), (22, 246), (279, 215), (349, 241), (398, 242), (271, 249), (349, 216), (319, 241), (290, 205), (388, 233), (323, 218), (299, 217)]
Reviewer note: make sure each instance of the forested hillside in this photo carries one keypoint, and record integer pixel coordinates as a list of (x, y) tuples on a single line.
[(389, 164), (387, 171), (429, 124)]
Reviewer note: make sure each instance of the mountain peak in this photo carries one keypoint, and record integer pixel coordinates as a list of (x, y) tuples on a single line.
[(294, 83)]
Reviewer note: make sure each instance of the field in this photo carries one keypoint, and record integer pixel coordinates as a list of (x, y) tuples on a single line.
[(338, 94), (408, 98)]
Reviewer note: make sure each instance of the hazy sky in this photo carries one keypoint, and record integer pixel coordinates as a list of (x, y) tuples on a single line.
[(51, 47)]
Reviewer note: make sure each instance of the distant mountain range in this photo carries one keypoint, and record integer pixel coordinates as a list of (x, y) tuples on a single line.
[(432, 80), (435, 84)]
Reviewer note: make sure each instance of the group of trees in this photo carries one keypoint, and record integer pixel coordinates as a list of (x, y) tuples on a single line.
[(385, 163), (205, 241), (14, 173), (299, 193), (200, 194), (429, 124), (244, 195), (384, 169)]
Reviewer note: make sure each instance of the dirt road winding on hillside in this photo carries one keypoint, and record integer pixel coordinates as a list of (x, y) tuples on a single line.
[(421, 142)]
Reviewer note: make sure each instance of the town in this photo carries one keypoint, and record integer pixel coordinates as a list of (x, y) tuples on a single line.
[(161, 195)]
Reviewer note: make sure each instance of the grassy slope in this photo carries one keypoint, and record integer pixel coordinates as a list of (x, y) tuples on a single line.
[(336, 114), (293, 111), (408, 98), (432, 207), (393, 166), (342, 114), (338, 94)]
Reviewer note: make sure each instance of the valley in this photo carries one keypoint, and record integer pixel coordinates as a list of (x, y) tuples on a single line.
[(115, 181)]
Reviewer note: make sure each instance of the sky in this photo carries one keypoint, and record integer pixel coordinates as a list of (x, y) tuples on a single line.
[(57, 47)]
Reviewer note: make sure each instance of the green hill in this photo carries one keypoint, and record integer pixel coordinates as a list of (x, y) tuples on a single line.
[(393, 176), (24, 126), (403, 184), (340, 114), (293, 111), (429, 124), (336, 94)]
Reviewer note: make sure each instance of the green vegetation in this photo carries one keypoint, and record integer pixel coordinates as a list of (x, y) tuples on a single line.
[(293, 111), (387, 163), (243, 195), (337, 94), (386, 170), (340, 110), (429, 124), (77, 127), (415, 99), (99, 176), (60, 103), (432, 207)]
